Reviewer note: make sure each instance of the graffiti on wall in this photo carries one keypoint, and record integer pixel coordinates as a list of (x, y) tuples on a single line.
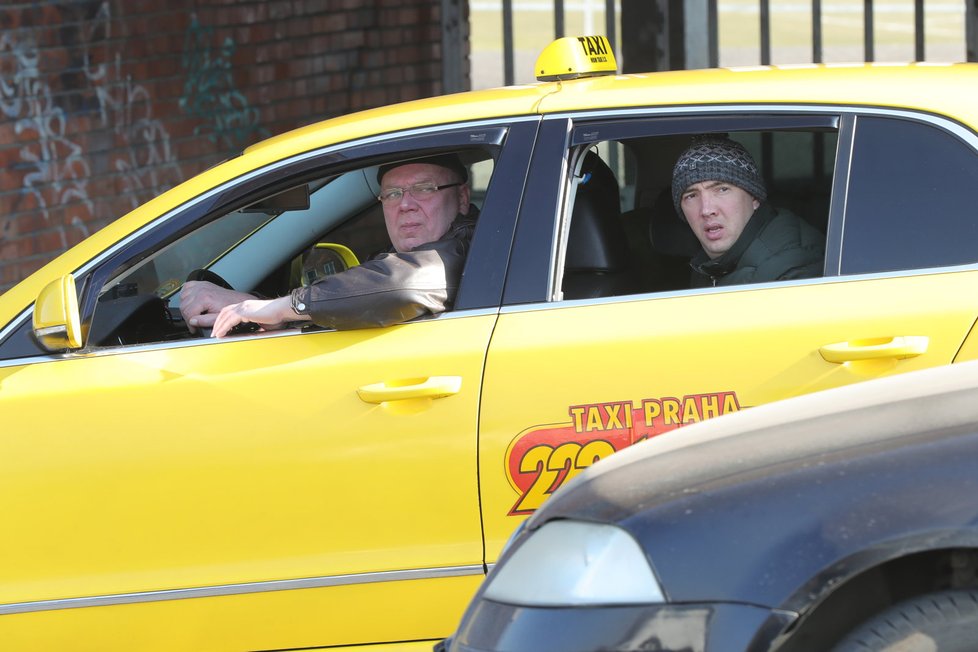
[(145, 161), (55, 171), (209, 92), (52, 169)]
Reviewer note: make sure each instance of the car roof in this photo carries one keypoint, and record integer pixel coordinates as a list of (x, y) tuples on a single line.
[(919, 86), (936, 402)]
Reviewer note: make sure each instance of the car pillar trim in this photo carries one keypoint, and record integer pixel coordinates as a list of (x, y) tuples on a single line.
[(241, 589)]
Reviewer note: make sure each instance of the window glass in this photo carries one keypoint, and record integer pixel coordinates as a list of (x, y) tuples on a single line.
[(910, 201), (163, 272), (479, 174), (625, 235)]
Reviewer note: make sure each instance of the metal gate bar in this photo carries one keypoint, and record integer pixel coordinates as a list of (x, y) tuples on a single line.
[(765, 32), (918, 30), (971, 29), (705, 14), (868, 52), (816, 31)]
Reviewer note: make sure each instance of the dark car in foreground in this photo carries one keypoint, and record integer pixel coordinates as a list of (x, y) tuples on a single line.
[(843, 520)]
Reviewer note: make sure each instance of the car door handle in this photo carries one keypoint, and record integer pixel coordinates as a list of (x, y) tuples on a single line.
[(431, 387), (901, 347)]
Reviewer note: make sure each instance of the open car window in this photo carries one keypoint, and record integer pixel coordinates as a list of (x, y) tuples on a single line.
[(229, 244), (266, 247), (621, 233)]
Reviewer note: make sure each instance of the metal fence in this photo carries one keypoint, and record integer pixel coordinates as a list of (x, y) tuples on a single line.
[(679, 34)]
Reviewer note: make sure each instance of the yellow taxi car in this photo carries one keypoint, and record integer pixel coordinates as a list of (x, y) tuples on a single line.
[(307, 487)]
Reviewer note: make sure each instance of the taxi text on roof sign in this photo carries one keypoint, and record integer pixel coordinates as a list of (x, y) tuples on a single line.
[(572, 57)]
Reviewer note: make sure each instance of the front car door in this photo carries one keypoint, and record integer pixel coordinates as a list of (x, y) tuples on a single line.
[(267, 490), (613, 352)]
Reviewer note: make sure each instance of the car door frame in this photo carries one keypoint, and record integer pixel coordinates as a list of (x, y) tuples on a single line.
[(535, 252)]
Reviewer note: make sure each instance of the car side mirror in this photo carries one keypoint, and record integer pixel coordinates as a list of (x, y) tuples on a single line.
[(57, 325)]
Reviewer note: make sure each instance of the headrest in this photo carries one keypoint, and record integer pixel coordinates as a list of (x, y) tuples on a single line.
[(669, 233), (597, 238)]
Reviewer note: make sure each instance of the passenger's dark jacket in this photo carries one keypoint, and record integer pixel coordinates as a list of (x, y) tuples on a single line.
[(393, 287), (775, 245)]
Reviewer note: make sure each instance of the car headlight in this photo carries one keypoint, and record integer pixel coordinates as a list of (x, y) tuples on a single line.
[(570, 563)]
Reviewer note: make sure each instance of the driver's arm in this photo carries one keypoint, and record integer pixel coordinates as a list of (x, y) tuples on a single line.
[(268, 313), (392, 288)]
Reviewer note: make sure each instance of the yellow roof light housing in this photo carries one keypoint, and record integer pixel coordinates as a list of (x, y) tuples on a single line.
[(573, 57)]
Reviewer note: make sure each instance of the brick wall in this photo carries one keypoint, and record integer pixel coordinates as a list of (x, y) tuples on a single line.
[(106, 103)]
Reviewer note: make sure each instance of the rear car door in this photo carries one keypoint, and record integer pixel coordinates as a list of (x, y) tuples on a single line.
[(589, 357), (273, 490)]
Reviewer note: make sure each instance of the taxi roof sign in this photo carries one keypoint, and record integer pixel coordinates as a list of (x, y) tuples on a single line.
[(572, 57)]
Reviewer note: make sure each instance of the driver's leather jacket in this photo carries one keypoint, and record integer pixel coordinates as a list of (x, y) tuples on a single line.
[(392, 287)]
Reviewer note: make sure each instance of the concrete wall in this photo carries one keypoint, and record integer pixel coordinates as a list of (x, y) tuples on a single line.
[(106, 103)]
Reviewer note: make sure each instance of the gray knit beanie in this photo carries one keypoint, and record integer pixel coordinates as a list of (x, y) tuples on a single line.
[(716, 158)]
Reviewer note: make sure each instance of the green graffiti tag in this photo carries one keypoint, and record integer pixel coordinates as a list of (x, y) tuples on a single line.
[(209, 92)]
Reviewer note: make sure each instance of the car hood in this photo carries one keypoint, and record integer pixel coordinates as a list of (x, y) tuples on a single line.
[(722, 450), (751, 506)]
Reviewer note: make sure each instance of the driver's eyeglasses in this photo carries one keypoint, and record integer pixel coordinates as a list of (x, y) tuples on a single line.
[(419, 191)]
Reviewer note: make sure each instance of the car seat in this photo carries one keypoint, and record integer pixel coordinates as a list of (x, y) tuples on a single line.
[(597, 259), (673, 243)]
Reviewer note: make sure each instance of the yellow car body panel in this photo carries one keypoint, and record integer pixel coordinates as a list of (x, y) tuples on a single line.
[(604, 377), (191, 443), (296, 618), (969, 350)]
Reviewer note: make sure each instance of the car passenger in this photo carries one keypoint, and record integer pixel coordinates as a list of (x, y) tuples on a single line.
[(430, 223), (717, 188)]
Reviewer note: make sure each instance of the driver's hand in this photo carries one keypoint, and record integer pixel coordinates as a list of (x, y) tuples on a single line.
[(269, 314), (200, 301)]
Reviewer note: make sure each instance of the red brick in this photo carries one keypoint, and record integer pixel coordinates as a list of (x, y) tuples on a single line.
[(292, 60), (28, 267)]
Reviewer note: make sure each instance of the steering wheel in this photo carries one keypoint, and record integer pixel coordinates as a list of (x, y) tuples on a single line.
[(209, 276)]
